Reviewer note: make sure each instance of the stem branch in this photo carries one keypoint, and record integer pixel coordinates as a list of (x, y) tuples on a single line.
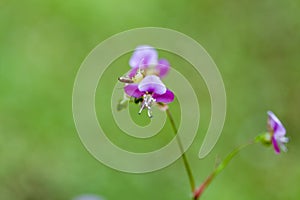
[(219, 169)]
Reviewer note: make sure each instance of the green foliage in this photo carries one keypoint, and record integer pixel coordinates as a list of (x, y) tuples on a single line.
[(42, 44)]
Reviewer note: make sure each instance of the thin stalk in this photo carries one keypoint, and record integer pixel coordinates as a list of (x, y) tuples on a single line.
[(184, 158), (219, 169)]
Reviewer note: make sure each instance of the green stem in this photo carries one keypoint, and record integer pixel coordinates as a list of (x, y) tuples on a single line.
[(184, 158), (219, 169)]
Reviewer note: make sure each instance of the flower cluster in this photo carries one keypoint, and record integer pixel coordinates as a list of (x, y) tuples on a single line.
[(143, 81)]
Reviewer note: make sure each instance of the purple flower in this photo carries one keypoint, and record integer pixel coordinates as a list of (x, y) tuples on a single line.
[(152, 90), (146, 58), (143, 80), (88, 197), (277, 132)]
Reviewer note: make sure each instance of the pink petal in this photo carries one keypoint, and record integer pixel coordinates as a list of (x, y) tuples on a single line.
[(133, 91), (143, 56), (167, 97), (275, 124), (132, 72), (163, 67), (152, 84)]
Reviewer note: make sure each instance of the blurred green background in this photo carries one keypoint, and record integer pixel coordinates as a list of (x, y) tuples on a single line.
[(42, 44)]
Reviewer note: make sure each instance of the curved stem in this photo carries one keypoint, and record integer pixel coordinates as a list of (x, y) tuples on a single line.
[(184, 158), (219, 169)]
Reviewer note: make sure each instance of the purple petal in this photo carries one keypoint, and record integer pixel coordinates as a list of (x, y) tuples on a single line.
[(152, 84), (133, 91), (275, 125), (167, 97), (132, 72), (143, 56), (163, 67), (275, 145)]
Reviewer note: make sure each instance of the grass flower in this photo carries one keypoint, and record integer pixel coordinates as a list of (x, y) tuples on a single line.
[(143, 81), (277, 133)]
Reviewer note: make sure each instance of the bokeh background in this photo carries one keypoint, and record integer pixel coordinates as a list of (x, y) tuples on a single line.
[(42, 44)]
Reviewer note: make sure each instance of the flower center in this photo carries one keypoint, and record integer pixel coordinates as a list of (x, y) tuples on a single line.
[(138, 76)]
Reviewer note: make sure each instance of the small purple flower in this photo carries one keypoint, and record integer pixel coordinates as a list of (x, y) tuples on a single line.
[(277, 132), (146, 58), (143, 80), (88, 197), (152, 90)]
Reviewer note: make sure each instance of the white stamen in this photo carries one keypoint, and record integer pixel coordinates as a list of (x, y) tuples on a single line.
[(150, 113), (142, 108), (147, 103)]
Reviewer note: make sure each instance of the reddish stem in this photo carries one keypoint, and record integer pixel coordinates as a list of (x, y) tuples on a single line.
[(198, 192)]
